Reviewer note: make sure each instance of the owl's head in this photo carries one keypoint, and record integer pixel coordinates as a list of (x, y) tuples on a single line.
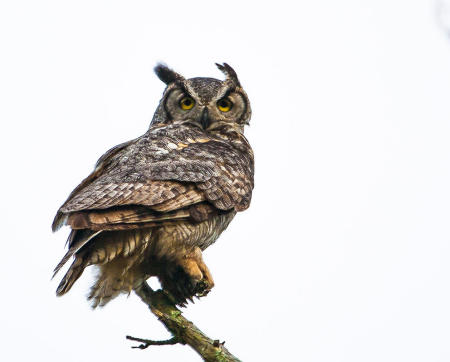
[(205, 102)]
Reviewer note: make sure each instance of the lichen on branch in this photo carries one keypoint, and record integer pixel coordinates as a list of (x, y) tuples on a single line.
[(183, 331)]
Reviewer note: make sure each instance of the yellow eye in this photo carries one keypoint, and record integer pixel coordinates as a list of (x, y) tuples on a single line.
[(224, 105), (187, 103)]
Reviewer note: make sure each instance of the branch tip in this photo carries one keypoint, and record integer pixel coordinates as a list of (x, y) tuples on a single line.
[(148, 342)]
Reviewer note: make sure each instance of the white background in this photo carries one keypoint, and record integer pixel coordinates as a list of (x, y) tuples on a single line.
[(344, 253)]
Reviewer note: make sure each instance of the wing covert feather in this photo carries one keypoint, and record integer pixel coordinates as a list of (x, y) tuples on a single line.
[(168, 168)]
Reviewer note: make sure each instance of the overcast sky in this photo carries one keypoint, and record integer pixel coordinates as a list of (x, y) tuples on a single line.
[(344, 253)]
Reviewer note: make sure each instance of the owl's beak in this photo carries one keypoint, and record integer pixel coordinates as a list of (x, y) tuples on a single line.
[(204, 120)]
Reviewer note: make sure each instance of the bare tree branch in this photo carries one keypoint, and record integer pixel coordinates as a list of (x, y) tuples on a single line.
[(148, 342), (182, 330)]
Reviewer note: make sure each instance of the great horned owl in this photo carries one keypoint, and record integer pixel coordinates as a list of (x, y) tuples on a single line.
[(153, 204)]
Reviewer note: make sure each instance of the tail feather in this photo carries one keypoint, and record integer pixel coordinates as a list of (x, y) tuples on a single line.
[(118, 256), (77, 239), (72, 275)]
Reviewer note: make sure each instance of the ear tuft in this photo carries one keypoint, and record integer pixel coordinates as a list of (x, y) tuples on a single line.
[(166, 74), (229, 73)]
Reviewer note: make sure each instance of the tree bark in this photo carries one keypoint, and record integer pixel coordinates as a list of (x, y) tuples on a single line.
[(182, 330)]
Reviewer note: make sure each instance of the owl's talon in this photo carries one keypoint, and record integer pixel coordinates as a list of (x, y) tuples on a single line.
[(192, 279), (202, 288)]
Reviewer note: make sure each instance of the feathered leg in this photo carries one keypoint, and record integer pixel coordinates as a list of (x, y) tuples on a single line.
[(186, 276)]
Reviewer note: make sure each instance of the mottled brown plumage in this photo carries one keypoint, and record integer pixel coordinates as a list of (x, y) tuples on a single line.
[(153, 204)]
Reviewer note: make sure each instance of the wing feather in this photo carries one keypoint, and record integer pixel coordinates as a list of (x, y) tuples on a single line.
[(103, 219), (169, 168)]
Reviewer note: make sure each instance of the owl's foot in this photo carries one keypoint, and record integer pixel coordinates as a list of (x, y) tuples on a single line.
[(192, 278)]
